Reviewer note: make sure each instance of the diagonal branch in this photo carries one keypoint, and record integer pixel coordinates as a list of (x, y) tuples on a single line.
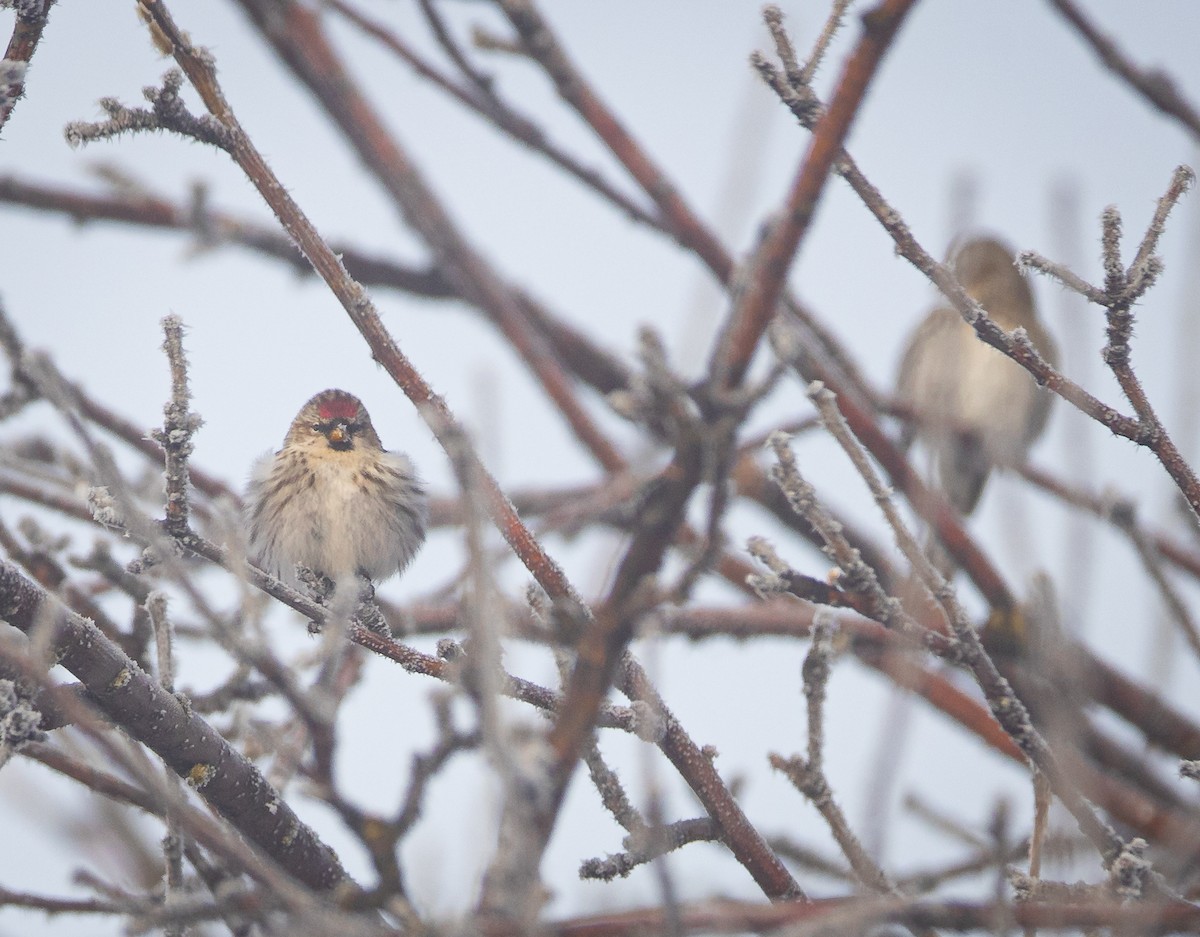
[(295, 32), (1155, 86), (486, 102), (27, 33), (679, 218), (199, 68), (186, 743), (756, 305)]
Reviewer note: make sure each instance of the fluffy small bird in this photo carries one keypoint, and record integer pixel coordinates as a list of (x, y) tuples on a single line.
[(333, 499), (977, 408)]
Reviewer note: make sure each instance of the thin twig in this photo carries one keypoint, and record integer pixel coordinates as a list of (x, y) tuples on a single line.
[(1008, 710), (27, 33), (808, 774), (501, 114), (646, 845), (756, 304), (1124, 516), (200, 70), (179, 425), (181, 738), (1156, 86)]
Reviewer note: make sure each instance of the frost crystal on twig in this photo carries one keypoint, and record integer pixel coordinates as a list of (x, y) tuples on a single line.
[(167, 112)]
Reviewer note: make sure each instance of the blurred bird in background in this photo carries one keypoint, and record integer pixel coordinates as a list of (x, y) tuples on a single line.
[(976, 409)]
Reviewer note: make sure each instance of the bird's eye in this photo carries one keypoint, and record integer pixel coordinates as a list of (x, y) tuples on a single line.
[(316, 427)]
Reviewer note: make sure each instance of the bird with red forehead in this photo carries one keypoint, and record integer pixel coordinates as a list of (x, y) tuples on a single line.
[(333, 500)]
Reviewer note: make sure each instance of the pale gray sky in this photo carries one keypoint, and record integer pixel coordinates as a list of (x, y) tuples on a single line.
[(1001, 94)]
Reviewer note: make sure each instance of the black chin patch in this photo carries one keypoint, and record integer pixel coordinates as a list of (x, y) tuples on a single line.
[(344, 446)]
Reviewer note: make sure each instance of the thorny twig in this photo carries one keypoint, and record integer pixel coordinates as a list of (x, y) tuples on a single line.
[(1127, 869), (856, 576), (808, 774), (167, 112), (1123, 287), (647, 844), (1008, 710), (179, 425), (27, 33), (198, 66)]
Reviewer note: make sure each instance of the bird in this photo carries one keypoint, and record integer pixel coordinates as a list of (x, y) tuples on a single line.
[(976, 408), (332, 500)]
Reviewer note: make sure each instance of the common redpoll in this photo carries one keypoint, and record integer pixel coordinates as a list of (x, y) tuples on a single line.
[(977, 407), (333, 500)]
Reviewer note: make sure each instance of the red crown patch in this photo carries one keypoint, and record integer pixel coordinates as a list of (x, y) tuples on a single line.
[(341, 407)]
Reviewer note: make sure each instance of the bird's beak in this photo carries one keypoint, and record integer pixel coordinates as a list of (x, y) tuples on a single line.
[(338, 434)]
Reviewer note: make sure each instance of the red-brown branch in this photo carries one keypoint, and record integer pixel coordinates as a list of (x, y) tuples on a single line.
[(355, 301), (26, 34), (295, 32), (771, 262)]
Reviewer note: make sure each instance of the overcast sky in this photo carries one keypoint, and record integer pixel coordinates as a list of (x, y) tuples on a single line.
[(990, 112)]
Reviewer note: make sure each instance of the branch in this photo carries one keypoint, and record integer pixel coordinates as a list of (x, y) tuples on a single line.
[(487, 103), (27, 33), (186, 743), (540, 43), (768, 268), (200, 71), (1157, 87), (305, 48), (214, 228), (1008, 710), (808, 774), (861, 915)]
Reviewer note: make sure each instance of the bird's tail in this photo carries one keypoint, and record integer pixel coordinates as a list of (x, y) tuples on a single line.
[(963, 470)]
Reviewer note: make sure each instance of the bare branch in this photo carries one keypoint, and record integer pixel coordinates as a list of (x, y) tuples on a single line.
[(27, 33), (1157, 87)]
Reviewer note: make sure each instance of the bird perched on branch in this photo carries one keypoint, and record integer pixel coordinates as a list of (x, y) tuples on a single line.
[(975, 407), (333, 499)]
